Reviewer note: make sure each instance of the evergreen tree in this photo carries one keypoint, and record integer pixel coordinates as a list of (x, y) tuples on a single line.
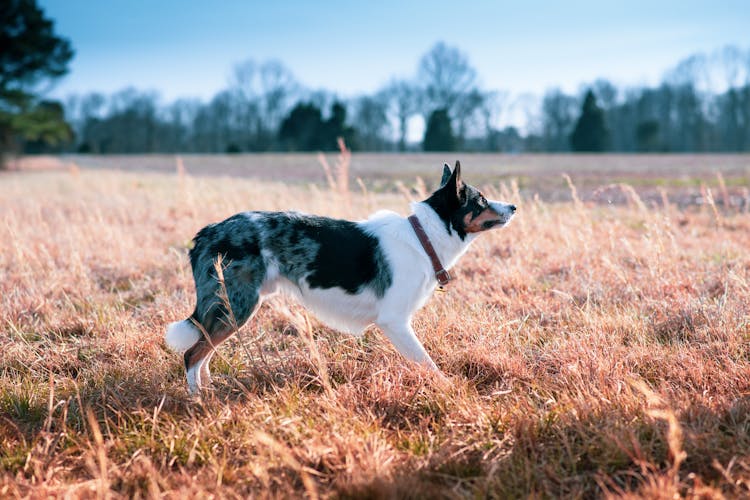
[(300, 131), (44, 126), (305, 130), (335, 127), (590, 133), (31, 54), (438, 135), (647, 136)]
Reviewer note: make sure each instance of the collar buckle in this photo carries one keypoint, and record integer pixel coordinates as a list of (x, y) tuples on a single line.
[(443, 277)]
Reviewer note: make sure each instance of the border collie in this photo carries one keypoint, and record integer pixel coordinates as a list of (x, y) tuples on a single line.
[(350, 274)]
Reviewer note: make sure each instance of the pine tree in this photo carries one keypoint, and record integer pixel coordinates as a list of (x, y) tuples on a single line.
[(647, 136), (300, 130), (438, 135), (590, 133), (31, 54), (304, 129), (335, 127)]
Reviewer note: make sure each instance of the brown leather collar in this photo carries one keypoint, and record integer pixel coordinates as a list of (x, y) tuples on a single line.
[(442, 276)]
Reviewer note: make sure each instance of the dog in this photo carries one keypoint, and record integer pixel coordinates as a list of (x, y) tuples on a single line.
[(350, 274)]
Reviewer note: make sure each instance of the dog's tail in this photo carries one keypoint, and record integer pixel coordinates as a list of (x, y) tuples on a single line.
[(182, 335)]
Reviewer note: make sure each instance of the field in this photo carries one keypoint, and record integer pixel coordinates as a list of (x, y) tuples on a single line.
[(598, 346)]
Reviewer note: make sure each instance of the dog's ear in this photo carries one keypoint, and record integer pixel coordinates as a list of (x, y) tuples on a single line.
[(446, 174), (454, 185)]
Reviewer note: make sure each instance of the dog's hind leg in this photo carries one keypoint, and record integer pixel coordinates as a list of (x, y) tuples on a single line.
[(219, 324), (220, 314), (204, 369)]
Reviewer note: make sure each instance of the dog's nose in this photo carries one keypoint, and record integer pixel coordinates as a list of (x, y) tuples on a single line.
[(512, 208)]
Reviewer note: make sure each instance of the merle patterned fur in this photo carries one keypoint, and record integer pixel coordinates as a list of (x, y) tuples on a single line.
[(317, 252)]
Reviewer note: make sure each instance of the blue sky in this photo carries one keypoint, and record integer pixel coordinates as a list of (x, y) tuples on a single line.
[(187, 48)]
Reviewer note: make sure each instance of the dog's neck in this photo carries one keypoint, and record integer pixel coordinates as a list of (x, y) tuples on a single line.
[(448, 247)]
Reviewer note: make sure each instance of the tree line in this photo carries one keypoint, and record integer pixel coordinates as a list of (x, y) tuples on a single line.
[(703, 104)]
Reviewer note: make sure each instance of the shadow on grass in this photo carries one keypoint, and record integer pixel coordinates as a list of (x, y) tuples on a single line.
[(613, 450)]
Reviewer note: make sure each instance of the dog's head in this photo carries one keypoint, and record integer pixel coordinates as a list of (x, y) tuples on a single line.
[(464, 209)]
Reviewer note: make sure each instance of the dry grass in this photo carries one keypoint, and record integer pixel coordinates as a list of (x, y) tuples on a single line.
[(592, 351)]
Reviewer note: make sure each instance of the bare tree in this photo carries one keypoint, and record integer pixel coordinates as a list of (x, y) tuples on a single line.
[(491, 110), (733, 66), (241, 104), (527, 105), (559, 112), (467, 112), (243, 79), (605, 91), (403, 100), (91, 109), (692, 70), (371, 122), (322, 99), (214, 127), (277, 87), (180, 116), (733, 106), (262, 95), (446, 76)]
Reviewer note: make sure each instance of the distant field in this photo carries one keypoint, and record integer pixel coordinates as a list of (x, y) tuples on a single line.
[(592, 349), (680, 176)]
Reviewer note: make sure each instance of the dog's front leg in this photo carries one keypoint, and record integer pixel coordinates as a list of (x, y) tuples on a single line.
[(402, 335)]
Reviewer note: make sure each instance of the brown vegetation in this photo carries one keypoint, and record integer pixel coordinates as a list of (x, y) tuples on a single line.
[(591, 350)]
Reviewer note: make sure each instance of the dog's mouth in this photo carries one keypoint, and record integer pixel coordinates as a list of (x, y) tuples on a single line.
[(489, 224)]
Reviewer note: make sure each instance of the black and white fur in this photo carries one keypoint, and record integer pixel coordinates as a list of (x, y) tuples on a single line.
[(350, 274)]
